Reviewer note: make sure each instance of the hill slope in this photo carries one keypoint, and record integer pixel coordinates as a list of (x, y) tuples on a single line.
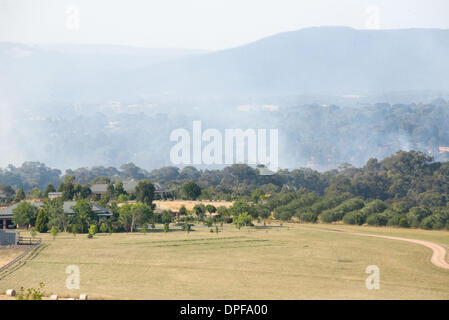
[(326, 60)]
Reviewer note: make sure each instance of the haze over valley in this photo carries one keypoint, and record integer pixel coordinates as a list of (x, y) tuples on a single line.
[(321, 87)]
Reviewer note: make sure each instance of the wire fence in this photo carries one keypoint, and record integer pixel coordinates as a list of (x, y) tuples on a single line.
[(32, 244), (29, 241)]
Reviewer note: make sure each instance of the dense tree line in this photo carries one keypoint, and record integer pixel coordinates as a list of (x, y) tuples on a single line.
[(407, 189)]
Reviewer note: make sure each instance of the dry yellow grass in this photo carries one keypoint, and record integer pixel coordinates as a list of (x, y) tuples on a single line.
[(7, 254), (297, 261), (176, 204)]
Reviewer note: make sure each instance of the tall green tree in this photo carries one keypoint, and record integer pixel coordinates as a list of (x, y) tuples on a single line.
[(145, 192), (200, 211), (56, 215), (262, 212), (84, 215), (36, 193), (42, 220), (119, 189), (50, 188), (211, 209), (242, 220), (166, 216), (20, 195), (81, 191), (240, 206), (110, 190), (135, 215), (24, 214), (54, 232), (67, 188), (257, 195), (8, 191), (190, 190)]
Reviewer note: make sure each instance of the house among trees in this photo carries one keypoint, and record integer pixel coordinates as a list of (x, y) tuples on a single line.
[(99, 189), (162, 192), (130, 187), (54, 195), (6, 215)]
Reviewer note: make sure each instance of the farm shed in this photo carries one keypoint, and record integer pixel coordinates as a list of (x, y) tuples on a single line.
[(8, 238)]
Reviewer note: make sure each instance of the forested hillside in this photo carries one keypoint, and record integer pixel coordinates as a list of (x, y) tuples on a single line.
[(316, 136)]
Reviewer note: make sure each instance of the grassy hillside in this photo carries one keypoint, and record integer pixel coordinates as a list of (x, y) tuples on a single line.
[(296, 261)]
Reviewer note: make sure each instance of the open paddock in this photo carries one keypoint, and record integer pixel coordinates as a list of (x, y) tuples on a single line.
[(295, 261)]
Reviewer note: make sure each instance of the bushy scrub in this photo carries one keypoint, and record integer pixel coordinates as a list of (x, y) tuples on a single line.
[(307, 216), (353, 217), (31, 293), (393, 219), (373, 207), (403, 223), (326, 203), (106, 226), (380, 219), (283, 213), (300, 202), (435, 221), (92, 231), (339, 212), (416, 215)]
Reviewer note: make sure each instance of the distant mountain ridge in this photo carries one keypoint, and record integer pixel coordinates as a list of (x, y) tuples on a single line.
[(320, 60), (72, 73)]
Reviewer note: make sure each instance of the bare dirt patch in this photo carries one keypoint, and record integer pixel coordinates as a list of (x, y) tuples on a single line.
[(8, 253)]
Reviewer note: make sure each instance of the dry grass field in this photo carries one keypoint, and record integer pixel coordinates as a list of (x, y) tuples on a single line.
[(296, 261), (8, 253), (176, 204)]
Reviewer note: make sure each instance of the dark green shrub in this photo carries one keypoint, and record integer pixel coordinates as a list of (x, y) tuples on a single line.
[(380, 219), (339, 212), (353, 217), (371, 220), (403, 222), (106, 227), (308, 217), (416, 215), (328, 216), (393, 220)]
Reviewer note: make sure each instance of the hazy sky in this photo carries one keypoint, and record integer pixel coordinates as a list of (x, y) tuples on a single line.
[(201, 24)]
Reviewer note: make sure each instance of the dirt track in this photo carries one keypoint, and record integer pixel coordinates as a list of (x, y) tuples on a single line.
[(438, 252)]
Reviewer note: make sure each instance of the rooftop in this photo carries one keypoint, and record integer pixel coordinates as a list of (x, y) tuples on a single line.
[(99, 188)]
